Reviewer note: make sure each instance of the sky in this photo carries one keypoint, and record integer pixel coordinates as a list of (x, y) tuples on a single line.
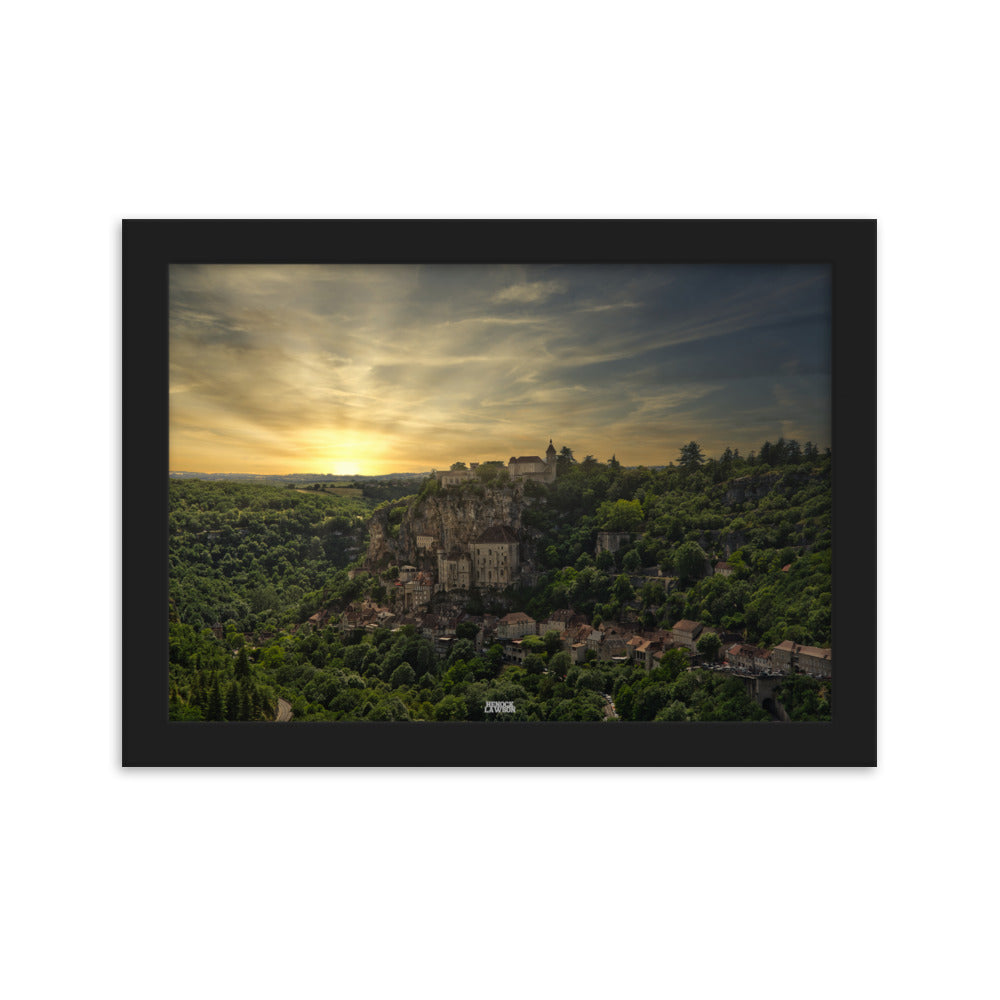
[(373, 369)]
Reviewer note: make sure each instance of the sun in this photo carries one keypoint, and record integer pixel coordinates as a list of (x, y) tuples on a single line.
[(345, 469)]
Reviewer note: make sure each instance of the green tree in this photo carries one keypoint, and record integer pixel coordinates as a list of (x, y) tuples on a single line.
[(242, 664), (622, 589), (708, 645), (620, 515), (674, 712), (691, 457), (560, 663), (403, 676), (450, 708), (552, 642), (689, 561), (216, 709)]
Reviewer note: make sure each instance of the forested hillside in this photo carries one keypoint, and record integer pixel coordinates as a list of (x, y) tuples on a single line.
[(256, 556), (250, 564), (767, 515)]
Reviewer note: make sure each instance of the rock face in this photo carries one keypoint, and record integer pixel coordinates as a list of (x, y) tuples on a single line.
[(753, 487), (411, 532), (758, 485)]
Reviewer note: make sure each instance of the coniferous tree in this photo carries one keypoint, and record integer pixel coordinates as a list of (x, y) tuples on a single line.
[(242, 665), (245, 705), (215, 708), (232, 702), (691, 456)]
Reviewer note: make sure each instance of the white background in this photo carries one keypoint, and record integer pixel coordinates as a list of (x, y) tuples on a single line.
[(163, 883)]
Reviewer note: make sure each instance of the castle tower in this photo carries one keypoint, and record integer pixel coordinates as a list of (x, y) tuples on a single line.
[(550, 454)]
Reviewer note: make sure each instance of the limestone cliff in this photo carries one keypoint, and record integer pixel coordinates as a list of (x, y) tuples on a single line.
[(411, 531)]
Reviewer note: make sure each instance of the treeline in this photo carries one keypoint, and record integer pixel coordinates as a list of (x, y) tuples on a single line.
[(260, 560)]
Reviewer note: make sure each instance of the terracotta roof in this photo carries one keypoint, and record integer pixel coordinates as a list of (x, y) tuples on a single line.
[(746, 649), (562, 615), (528, 458), (685, 625), (516, 616), (819, 653)]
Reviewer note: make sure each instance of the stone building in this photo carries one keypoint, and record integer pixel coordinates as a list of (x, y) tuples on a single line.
[(559, 621), (747, 659), (455, 477), (812, 660), (495, 561), (516, 625), (541, 470), (454, 570), (686, 632), (815, 662)]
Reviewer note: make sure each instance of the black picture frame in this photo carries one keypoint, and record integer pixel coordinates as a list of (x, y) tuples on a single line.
[(150, 246)]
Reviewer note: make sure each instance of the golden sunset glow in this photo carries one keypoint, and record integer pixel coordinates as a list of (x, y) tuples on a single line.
[(404, 368)]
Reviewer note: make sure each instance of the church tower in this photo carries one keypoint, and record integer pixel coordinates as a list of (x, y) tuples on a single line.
[(550, 463)]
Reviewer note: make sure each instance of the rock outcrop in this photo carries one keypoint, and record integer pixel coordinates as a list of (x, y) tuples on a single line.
[(410, 532)]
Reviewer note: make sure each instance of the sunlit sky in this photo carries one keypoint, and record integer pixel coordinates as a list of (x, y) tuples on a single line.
[(402, 368)]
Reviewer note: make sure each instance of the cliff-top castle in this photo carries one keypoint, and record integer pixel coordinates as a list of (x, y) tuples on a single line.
[(527, 467)]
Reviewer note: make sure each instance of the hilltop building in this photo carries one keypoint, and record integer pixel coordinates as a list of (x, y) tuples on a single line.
[(526, 467), (541, 470)]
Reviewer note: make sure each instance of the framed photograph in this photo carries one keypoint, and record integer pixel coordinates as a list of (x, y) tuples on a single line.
[(536, 493)]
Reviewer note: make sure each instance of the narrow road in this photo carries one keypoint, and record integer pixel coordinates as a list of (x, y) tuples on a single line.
[(284, 711)]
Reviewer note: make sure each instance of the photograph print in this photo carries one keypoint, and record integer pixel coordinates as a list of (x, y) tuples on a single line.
[(494, 493)]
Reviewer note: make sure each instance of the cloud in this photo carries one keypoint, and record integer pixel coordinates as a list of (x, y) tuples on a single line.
[(415, 366), (535, 291)]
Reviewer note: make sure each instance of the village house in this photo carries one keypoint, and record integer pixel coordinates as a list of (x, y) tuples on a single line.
[(789, 656), (516, 625), (746, 659), (645, 652), (686, 633), (723, 568), (416, 587), (815, 662), (558, 621), (613, 647), (455, 477)]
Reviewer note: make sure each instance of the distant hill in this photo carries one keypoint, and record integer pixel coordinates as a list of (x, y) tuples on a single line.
[(295, 478)]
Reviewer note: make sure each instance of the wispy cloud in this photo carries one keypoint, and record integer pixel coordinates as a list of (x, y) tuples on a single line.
[(382, 368), (532, 291)]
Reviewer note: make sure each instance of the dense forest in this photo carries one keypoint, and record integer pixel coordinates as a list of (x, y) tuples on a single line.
[(249, 564), (768, 515)]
